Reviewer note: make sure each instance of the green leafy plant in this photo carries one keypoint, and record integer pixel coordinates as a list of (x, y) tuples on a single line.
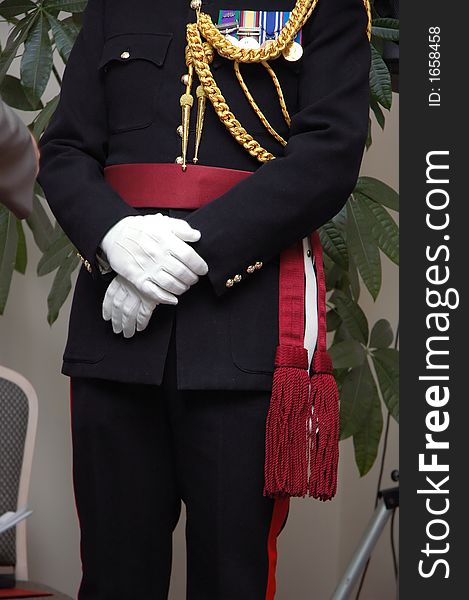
[(366, 366)]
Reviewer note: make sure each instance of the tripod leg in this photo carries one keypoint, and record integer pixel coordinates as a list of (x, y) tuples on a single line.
[(362, 552)]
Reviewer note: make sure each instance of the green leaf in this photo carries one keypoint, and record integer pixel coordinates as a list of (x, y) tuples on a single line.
[(369, 139), (13, 8), (61, 287), (8, 245), (385, 33), (66, 5), (366, 439), (386, 22), (340, 219), (354, 282), (40, 225), (36, 62), (12, 93), (55, 255), (341, 334), (380, 79), (381, 334), (358, 394), (386, 362), (333, 320), (362, 245), (352, 316), (17, 36), (384, 229), (334, 276), (376, 108), (347, 354), (378, 191), (21, 250), (43, 118), (334, 244), (65, 34)]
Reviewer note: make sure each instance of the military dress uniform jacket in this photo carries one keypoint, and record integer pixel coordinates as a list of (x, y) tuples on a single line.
[(116, 110)]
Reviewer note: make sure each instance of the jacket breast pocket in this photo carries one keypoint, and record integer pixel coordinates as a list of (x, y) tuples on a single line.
[(132, 69)]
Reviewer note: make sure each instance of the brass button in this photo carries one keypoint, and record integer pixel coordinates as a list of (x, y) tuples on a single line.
[(185, 79), (180, 130), (196, 4), (179, 160), (251, 269), (258, 264), (237, 278), (125, 54), (229, 283)]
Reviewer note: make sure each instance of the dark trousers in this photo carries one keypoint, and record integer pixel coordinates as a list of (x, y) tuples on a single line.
[(138, 451)]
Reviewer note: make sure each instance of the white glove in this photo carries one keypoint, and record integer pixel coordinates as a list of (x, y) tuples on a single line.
[(150, 251), (126, 307)]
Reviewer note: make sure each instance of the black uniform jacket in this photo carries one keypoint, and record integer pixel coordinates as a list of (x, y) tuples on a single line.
[(114, 110)]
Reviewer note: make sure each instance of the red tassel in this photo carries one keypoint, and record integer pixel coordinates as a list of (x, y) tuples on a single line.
[(324, 401), (287, 426), (324, 433)]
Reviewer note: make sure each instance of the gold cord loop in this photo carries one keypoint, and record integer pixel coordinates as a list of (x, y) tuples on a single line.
[(199, 56)]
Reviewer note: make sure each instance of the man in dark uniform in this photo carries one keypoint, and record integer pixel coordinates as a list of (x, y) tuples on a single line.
[(175, 409)]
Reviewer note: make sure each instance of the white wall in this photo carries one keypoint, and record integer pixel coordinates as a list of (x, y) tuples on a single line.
[(319, 538)]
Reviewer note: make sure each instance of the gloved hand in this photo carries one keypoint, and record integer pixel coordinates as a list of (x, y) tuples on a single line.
[(151, 252), (126, 307)]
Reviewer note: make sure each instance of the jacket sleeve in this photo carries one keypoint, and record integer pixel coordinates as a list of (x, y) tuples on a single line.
[(73, 148), (18, 163), (287, 198)]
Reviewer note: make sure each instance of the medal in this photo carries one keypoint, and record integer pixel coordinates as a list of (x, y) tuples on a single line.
[(294, 52), (232, 39), (249, 43)]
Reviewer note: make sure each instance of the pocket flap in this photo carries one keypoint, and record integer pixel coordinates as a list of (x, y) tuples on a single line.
[(127, 46)]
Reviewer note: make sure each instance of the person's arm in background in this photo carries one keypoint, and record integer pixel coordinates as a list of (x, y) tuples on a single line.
[(288, 197), (18, 163)]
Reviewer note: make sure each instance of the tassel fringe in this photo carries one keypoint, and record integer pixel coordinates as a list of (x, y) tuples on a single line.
[(286, 464), (324, 431)]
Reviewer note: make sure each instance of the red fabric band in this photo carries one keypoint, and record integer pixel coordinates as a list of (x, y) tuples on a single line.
[(166, 185), (321, 285)]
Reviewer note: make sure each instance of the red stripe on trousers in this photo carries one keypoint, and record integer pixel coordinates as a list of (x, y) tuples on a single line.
[(279, 516)]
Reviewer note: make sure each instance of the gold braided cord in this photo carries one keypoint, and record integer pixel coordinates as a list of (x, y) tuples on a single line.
[(218, 101), (368, 13), (255, 106), (278, 88), (199, 54)]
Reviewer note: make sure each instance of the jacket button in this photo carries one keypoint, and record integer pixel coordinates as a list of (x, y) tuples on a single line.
[(125, 54), (237, 278), (229, 283), (179, 160), (258, 265), (308, 252), (196, 4), (251, 269), (185, 79)]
